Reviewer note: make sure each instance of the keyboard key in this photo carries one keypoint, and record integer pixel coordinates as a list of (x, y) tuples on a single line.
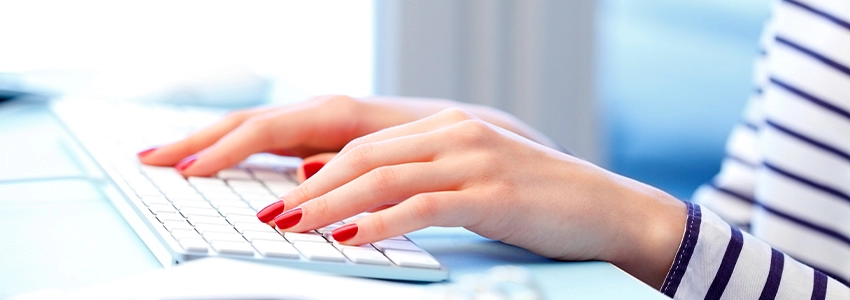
[(412, 259), (222, 236), (195, 220), (243, 226), (184, 233), (354, 218), (197, 211), (246, 184), (280, 188), (319, 251), (234, 248), (146, 191), (205, 181), (258, 205), (293, 237), (184, 196), (175, 225), (366, 256), (222, 195), (205, 189), (162, 208), (204, 228), (342, 247), (266, 175), (264, 196), (235, 203), (234, 210), (194, 245), (163, 217), (397, 245), (275, 249), (183, 204), (252, 236), (234, 218), (233, 174), (148, 200)]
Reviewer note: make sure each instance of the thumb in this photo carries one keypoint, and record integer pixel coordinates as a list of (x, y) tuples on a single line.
[(313, 164)]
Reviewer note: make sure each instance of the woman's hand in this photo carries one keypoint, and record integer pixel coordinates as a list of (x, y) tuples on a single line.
[(453, 169), (323, 124)]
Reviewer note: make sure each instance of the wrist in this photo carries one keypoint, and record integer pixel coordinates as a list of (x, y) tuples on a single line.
[(651, 234)]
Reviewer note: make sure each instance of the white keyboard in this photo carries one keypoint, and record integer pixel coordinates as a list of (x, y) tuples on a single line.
[(186, 218)]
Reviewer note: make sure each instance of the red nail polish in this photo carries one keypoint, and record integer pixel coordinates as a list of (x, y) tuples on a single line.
[(146, 152), (288, 218), (345, 232), (310, 169), (269, 212), (186, 162)]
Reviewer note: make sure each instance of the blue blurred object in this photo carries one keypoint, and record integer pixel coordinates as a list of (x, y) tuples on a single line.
[(673, 77)]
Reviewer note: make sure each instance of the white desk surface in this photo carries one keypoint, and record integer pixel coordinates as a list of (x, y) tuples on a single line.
[(62, 233)]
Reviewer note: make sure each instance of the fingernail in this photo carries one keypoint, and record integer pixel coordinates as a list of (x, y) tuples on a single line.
[(310, 169), (345, 232), (186, 162), (269, 212), (288, 218), (146, 152)]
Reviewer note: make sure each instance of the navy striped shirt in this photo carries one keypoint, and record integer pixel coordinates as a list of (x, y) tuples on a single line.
[(786, 177)]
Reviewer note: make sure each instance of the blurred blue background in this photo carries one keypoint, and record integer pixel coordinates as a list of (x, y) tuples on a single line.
[(673, 78)]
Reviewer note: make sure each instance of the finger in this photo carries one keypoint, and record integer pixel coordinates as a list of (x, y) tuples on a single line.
[(170, 154), (379, 187), (341, 170), (434, 122), (446, 208), (311, 165), (280, 129)]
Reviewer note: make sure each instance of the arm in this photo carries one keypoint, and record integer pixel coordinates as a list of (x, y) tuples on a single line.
[(716, 260)]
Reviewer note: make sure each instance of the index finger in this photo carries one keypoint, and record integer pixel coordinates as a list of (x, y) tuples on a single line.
[(170, 154)]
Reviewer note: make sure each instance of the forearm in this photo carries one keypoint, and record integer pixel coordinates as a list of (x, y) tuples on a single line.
[(650, 227)]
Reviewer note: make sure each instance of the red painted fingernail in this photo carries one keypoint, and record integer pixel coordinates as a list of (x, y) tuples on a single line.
[(269, 212), (310, 169), (288, 218), (146, 152), (345, 232), (186, 162)]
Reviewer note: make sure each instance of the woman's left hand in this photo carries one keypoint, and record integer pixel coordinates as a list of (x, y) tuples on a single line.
[(453, 169)]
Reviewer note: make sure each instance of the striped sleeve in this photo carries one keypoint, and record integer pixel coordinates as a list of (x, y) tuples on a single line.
[(786, 177), (719, 261)]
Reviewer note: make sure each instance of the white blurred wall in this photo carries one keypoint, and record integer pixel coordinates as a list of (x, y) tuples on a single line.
[(322, 46)]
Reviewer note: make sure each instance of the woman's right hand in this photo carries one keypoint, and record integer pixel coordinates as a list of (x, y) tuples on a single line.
[(320, 125)]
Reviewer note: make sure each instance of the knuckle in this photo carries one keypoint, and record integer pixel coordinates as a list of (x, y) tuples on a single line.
[(356, 142), (472, 132), (381, 179), (360, 156), (425, 207), (334, 100), (261, 126), (456, 114), (258, 122), (237, 116)]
